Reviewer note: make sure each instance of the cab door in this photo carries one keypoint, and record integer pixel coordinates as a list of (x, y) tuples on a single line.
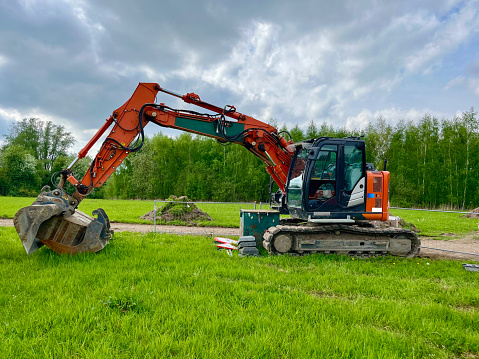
[(321, 189), (353, 187)]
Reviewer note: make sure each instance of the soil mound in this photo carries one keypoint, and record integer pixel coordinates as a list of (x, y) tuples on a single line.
[(474, 214), (401, 223), (179, 210)]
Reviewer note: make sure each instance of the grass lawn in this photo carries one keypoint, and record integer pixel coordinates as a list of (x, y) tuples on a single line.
[(130, 211), (433, 224), (171, 296)]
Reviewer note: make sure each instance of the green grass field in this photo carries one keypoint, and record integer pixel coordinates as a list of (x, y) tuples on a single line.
[(439, 224), (130, 211), (172, 296), (432, 224)]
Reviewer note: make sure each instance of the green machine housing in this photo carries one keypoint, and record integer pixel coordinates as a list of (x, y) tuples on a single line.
[(254, 222)]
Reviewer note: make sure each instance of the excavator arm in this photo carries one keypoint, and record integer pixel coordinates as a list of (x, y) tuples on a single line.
[(130, 119), (53, 219)]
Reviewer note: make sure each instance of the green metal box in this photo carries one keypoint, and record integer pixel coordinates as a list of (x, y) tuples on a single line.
[(254, 222)]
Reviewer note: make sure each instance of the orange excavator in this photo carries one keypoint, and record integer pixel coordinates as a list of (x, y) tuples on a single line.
[(332, 196)]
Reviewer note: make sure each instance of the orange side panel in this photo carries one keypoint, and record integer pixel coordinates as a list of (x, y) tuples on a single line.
[(377, 196)]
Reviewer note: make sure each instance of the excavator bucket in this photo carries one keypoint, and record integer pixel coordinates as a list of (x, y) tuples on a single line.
[(53, 221)]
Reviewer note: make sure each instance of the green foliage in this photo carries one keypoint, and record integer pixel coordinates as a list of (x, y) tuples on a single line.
[(42, 139), (297, 133), (432, 163), (31, 151), (378, 140), (312, 131), (177, 206), (18, 175), (173, 296)]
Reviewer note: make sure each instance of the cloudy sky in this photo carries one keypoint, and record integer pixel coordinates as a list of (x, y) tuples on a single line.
[(340, 62)]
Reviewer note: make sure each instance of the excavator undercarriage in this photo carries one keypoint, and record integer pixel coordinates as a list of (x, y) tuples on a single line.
[(353, 240)]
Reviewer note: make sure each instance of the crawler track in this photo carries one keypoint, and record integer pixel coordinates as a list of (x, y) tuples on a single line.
[(352, 240)]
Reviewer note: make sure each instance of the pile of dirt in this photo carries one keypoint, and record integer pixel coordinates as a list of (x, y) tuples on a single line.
[(178, 210), (401, 223), (474, 214)]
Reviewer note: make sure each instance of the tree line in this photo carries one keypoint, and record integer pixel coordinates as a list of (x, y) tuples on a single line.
[(433, 162)]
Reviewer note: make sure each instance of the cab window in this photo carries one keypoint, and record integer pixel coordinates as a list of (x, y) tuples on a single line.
[(323, 180), (353, 166), (295, 185)]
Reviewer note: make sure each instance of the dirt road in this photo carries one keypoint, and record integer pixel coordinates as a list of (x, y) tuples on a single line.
[(468, 245)]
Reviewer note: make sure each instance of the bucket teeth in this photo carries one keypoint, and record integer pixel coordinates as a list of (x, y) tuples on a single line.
[(52, 221)]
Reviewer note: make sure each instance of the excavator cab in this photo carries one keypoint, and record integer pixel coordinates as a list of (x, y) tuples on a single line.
[(327, 180)]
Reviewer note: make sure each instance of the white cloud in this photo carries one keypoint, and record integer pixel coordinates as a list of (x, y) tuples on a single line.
[(278, 75), (318, 75), (474, 84), (361, 120), (3, 60), (94, 29), (471, 83), (8, 114), (448, 36), (457, 81)]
